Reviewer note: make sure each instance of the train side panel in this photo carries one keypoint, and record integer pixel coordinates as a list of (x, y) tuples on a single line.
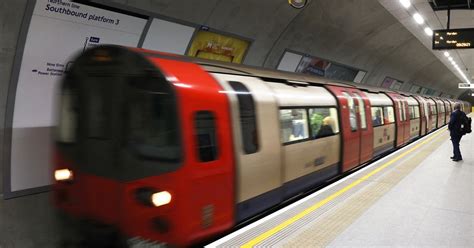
[(256, 143)]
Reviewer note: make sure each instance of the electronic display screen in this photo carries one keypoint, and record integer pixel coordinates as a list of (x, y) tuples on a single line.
[(453, 39)]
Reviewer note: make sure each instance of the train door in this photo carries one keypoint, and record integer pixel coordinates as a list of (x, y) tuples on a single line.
[(447, 106), (441, 112), (365, 123), (433, 114), (352, 130), (402, 121), (421, 105)]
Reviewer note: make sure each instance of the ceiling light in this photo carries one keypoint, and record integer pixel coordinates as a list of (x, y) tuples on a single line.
[(418, 18), (405, 3), (450, 58), (446, 54), (428, 31)]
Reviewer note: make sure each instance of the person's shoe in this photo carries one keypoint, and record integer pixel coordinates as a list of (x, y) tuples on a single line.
[(451, 157), (457, 159)]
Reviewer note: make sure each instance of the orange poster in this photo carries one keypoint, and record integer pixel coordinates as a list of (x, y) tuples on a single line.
[(208, 45)]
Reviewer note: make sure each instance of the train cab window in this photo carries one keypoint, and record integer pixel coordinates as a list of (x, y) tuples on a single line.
[(352, 111), (389, 115), (323, 122), (363, 122), (205, 124), (248, 121), (152, 122), (97, 111), (294, 125), (68, 115), (377, 116)]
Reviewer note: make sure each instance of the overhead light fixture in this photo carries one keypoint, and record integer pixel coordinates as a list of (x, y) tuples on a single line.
[(298, 4), (418, 18), (446, 54), (450, 58), (405, 3), (428, 31)]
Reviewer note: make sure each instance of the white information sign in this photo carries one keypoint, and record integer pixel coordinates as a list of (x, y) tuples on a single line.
[(58, 31), (466, 86)]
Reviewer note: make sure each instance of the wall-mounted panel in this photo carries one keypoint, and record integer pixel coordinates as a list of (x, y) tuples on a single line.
[(168, 37), (58, 31), (289, 61)]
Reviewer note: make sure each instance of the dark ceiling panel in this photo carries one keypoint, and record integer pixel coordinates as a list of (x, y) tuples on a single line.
[(453, 4)]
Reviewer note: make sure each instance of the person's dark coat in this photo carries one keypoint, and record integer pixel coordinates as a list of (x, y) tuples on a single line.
[(455, 122), (325, 130)]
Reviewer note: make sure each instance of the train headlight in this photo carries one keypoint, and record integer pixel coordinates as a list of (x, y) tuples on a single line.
[(152, 197), (161, 198), (63, 175)]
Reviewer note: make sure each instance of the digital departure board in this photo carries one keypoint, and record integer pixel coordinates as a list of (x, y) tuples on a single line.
[(453, 39)]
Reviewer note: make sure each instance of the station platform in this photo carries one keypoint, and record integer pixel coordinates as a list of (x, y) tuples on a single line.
[(416, 197)]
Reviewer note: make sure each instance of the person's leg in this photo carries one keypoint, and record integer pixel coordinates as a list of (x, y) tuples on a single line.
[(457, 153), (454, 149)]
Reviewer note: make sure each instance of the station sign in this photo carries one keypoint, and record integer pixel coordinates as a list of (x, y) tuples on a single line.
[(466, 86), (453, 39)]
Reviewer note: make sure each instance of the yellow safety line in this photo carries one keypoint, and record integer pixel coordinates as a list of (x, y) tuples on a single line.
[(321, 203)]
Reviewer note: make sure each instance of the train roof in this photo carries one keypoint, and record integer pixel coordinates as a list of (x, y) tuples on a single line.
[(273, 75)]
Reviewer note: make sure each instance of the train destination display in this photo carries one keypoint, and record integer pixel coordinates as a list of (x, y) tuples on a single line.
[(453, 39)]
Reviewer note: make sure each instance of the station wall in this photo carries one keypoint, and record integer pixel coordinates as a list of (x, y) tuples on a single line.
[(361, 34)]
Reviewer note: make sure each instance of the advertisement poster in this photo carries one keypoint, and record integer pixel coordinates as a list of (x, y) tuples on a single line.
[(324, 68), (391, 83), (58, 31), (387, 82), (209, 45)]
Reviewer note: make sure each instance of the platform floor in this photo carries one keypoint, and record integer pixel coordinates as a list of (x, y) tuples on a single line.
[(415, 197)]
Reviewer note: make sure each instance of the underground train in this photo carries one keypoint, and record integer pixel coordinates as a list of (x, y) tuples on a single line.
[(163, 148)]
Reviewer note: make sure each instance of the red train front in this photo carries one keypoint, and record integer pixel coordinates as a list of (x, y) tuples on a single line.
[(143, 151)]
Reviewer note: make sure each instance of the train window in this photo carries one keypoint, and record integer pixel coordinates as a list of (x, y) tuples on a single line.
[(323, 122), (404, 111), (248, 121), (294, 125), (416, 109), (352, 111), (68, 115), (389, 115), (363, 121), (377, 116), (152, 121), (400, 111), (204, 122), (442, 108), (411, 112), (433, 109)]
